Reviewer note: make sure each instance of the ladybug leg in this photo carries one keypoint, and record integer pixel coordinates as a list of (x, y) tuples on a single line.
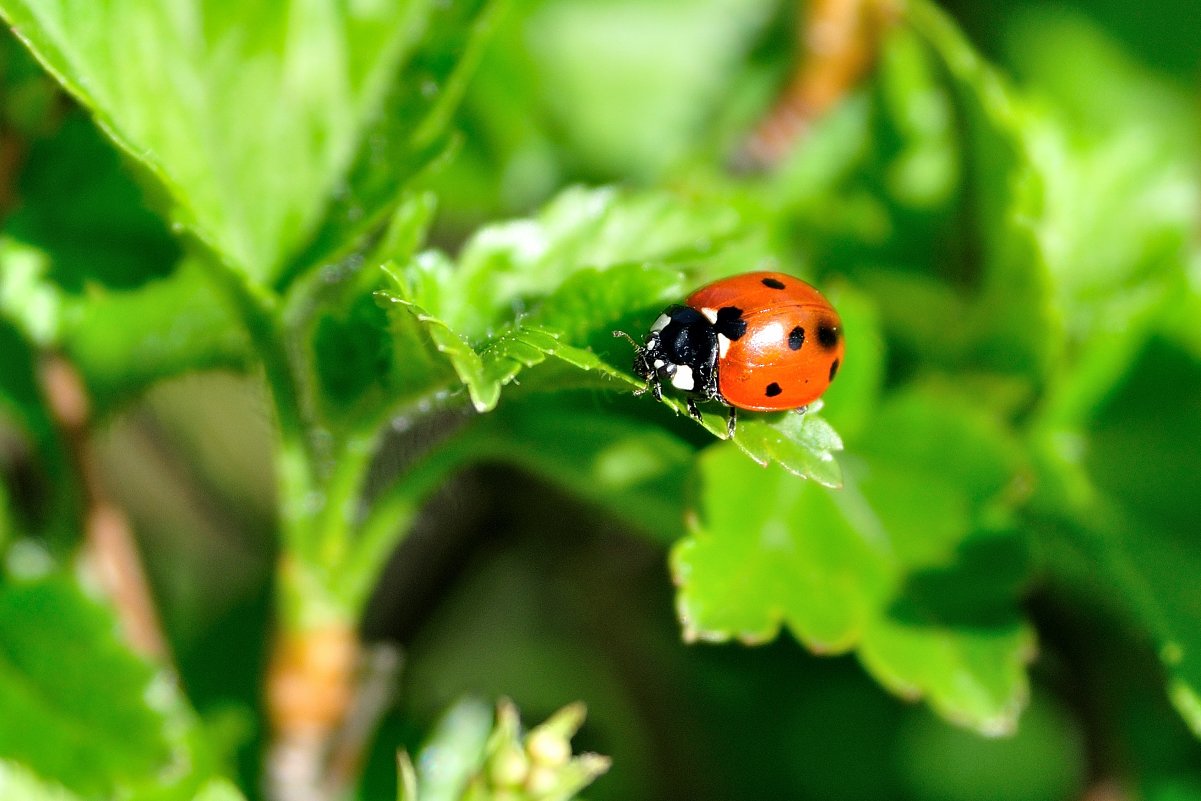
[(694, 412), (732, 422), (656, 389)]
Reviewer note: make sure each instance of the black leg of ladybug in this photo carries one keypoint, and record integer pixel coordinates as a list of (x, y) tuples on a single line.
[(656, 389), (694, 412), (732, 421)]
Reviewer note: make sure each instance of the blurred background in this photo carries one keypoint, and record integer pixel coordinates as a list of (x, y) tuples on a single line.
[(514, 586)]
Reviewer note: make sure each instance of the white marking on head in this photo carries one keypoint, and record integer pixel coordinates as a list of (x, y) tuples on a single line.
[(723, 345), (683, 378), (710, 314), (660, 323), (658, 363)]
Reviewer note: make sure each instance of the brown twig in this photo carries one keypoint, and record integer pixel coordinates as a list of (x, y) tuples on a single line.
[(326, 693), (308, 694), (11, 156), (838, 43), (109, 547), (375, 686)]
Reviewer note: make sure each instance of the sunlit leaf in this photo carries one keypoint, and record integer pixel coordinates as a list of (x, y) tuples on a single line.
[(889, 565), (186, 88), (95, 717), (18, 782), (506, 268), (408, 131)]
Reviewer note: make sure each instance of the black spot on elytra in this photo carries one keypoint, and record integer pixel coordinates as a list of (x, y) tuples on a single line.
[(773, 389), (796, 338), (827, 334), (773, 283), (730, 323), (833, 369)]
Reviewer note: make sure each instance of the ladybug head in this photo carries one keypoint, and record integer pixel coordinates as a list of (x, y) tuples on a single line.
[(680, 349)]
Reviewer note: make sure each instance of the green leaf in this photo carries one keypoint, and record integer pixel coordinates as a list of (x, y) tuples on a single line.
[(248, 112), (124, 341), (409, 131), (574, 90), (101, 231), (360, 366), (219, 790), (1118, 556), (506, 268), (499, 359), (1118, 158), (1115, 449), (745, 568), (1011, 327), (28, 299), (354, 360), (624, 462), (905, 563), (591, 262), (95, 717), (121, 340), (1139, 462), (587, 303), (956, 637), (665, 65), (454, 752), (1153, 566), (18, 782), (803, 444)]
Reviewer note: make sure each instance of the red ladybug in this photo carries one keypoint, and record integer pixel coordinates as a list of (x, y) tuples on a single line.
[(760, 341)]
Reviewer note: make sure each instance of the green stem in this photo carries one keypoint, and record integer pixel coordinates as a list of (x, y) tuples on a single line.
[(343, 489), (381, 532), (259, 311)]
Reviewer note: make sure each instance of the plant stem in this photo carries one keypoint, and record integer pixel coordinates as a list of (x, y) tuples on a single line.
[(259, 311), (110, 550), (839, 40)]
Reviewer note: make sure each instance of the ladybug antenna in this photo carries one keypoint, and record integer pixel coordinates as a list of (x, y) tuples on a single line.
[(642, 365), (630, 339)]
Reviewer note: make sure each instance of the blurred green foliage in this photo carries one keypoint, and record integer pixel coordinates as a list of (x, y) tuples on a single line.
[(340, 280)]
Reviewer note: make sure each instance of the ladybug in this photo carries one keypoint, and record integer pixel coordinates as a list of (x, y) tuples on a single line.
[(761, 341)]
